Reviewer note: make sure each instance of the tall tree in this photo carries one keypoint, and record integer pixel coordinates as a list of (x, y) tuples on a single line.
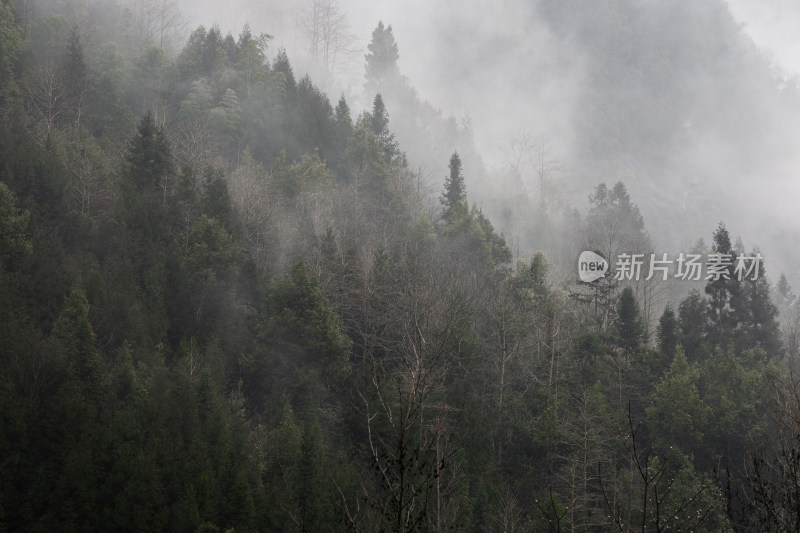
[(454, 198), (693, 318), (10, 47), (149, 157), (722, 289), (757, 324), (379, 125), (75, 75), (668, 333), (381, 61), (630, 330)]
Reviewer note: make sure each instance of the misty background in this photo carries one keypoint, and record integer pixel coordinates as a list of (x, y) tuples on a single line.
[(693, 105)]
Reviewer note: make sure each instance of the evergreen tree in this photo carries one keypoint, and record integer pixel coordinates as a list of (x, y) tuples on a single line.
[(668, 333), (678, 412), (379, 125), (723, 291), (342, 131), (693, 318), (454, 198), (344, 122), (282, 65), (11, 44), (381, 61), (757, 324), (149, 156), (784, 291), (77, 340), (630, 330), (14, 244)]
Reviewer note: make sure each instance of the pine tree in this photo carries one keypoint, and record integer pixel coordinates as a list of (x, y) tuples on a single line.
[(784, 291), (342, 131), (381, 61), (630, 330), (11, 44), (282, 64), (757, 325), (14, 243), (342, 114), (724, 298), (76, 337), (668, 333), (379, 125), (454, 198), (693, 318), (149, 157)]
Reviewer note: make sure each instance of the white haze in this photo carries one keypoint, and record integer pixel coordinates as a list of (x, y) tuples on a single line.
[(492, 62)]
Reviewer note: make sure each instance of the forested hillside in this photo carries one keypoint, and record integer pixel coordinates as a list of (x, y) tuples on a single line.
[(229, 302)]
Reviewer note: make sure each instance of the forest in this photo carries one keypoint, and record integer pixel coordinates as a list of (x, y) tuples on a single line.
[(231, 301)]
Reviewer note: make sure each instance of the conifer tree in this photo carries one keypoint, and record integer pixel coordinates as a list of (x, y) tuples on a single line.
[(149, 157), (381, 61), (723, 291), (379, 125), (630, 330), (668, 333), (454, 198), (693, 318)]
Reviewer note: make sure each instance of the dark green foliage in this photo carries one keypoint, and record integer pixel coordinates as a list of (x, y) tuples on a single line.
[(379, 125), (454, 197), (693, 318), (668, 333), (316, 118), (10, 46), (14, 244), (149, 157), (629, 328), (191, 342), (724, 293), (203, 55), (757, 324)]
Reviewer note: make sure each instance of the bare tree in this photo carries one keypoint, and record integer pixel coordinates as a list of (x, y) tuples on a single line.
[(507, 515), (45, 95), (532, 155), (773, 475), (325, 27), (89, 173), (154, 22)]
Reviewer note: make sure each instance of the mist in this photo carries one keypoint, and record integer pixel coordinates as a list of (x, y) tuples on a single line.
[(515, 68), (294, 266)]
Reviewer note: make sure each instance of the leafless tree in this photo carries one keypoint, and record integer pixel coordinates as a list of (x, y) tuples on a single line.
[(155, 22), (89, 173), (324, 25), (45, 95), (773, 473), (532, 155)]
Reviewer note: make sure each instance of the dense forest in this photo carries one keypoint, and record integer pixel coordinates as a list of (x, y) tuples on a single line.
[(231, 302)]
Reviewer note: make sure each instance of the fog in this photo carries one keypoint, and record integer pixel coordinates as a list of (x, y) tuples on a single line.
[(691, 105)]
